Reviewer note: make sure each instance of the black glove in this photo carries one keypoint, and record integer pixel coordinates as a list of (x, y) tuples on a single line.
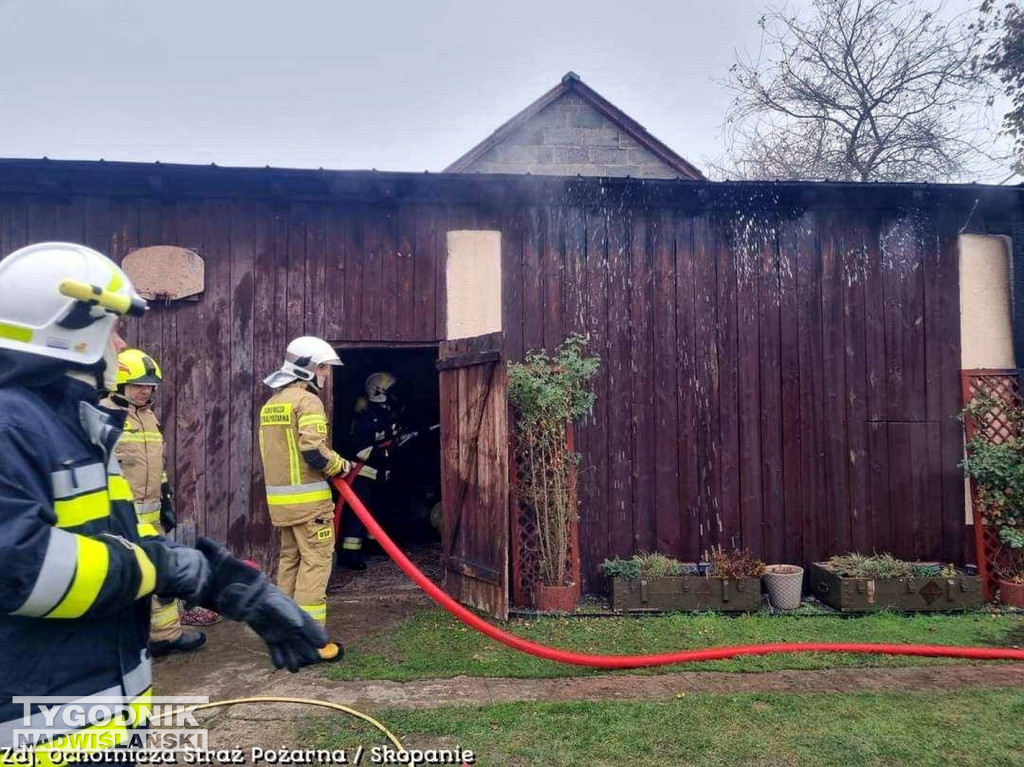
[(181, 572), (168, 519), (244, 594)]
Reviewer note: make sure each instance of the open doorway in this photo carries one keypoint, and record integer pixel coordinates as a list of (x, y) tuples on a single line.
[(407, 504)]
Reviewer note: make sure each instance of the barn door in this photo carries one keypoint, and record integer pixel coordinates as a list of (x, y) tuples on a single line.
[(474, 472)]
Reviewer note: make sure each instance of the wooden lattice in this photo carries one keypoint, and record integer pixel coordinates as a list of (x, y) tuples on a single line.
[(1002, 386), (525, 549)]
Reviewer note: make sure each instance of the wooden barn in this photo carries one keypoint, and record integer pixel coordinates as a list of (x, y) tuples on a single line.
[(780, 362)]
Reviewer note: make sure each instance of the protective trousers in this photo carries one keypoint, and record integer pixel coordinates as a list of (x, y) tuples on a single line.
[(307, 553), (164, 620)]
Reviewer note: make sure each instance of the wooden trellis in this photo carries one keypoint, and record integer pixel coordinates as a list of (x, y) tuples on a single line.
[(1003, 386)]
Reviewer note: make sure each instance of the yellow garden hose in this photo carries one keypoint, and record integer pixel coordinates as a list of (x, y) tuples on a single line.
[(303, 701)]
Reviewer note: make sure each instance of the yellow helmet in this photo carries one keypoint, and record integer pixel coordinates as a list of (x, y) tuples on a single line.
[(136, 367)]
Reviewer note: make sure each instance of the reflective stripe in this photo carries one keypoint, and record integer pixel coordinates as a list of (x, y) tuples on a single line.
[(119, 488), (317, 612), (147, 570), (147, 530), (56, 574), (113, 467), (297, 489), (84, 508), (287, 500), (146, 507), (93, 564), (352, 544), (368, 471), (149, 518), (312, 418), (137, 437), (67, 483), (293, 458), (363, 454), (140, 678), (165, 616)]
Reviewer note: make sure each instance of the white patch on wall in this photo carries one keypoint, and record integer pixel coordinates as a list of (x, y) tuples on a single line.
[(986, 329), (165, 272), (473, 280)]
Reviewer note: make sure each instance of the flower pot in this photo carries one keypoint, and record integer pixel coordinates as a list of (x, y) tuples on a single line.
[(785, 584), (1011, 594), (556, 599)]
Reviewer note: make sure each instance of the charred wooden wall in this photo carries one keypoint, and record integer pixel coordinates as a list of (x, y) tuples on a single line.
[(782, 377)]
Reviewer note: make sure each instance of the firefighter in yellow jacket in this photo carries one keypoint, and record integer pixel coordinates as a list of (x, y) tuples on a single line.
[(140, 451), (297, 459)]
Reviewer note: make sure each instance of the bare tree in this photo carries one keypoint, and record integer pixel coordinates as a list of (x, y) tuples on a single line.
[(861, 90)]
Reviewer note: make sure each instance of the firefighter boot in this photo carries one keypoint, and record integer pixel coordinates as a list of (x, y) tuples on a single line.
[(352, 559), (188, 641)]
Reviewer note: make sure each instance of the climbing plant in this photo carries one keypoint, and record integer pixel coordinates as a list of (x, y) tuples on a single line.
[(547, 394)]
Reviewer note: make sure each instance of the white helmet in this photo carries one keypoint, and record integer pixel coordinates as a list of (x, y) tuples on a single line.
[(301, 360), (377, 386), (61, 301)]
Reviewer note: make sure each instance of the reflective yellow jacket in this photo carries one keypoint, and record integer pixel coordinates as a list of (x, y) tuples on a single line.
[(140, 451), (297, 456)]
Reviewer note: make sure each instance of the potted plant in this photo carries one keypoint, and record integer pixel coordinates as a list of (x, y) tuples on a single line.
[(785, 585), (861, 583), (730, 582), (548, 394), (995, 462)]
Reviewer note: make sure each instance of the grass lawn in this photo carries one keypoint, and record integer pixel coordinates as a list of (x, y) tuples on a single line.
[(434, 645), (968, 727)]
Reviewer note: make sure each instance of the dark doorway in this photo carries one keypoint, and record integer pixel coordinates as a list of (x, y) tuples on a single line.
[(413, 489)]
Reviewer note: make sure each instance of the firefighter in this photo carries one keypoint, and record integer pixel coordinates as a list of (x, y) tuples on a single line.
[(78, 570), (375, 433), (140, 451), (297, 459)]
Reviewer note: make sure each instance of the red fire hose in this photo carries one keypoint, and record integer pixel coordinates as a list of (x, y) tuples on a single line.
[(634, 661)]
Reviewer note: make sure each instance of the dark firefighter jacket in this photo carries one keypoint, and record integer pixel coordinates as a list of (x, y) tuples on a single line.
[(73, 620)]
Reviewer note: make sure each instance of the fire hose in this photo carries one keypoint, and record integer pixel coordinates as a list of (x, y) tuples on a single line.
[(472, 620)]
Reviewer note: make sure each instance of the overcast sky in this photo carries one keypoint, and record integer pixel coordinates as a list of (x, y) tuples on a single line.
[(338, 84)]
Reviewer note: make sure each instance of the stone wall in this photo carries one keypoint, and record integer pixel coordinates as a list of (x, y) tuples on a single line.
[(569, 138)]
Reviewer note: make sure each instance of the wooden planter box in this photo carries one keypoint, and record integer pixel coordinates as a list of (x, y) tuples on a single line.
[(686, 592), (921, 594)]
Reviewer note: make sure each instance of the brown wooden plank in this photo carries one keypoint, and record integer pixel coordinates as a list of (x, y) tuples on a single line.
[(769, 303), (879, 497), (150, 338), (552, 276), (836, 522), (268, 353), (353, 221), (191, 420), (789, 370), (668, 532), (389, 267), (686, 390), (904, 315), (512, 282), (594, 466), (621, 450), (575, 275), (373, 276), (405, 274), (749, 239), (931, 480), (854, 277), (533, 289), (642, 311), (707, 378), (876, 375), (727, 517), (171, 364), (813, 496), (316, 240), (336, 264), (427, 263), (441, 288), (933, 320), (904, 520), (947, 348), (295, 313), (217, 328), (18, 231), (241, 418)]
